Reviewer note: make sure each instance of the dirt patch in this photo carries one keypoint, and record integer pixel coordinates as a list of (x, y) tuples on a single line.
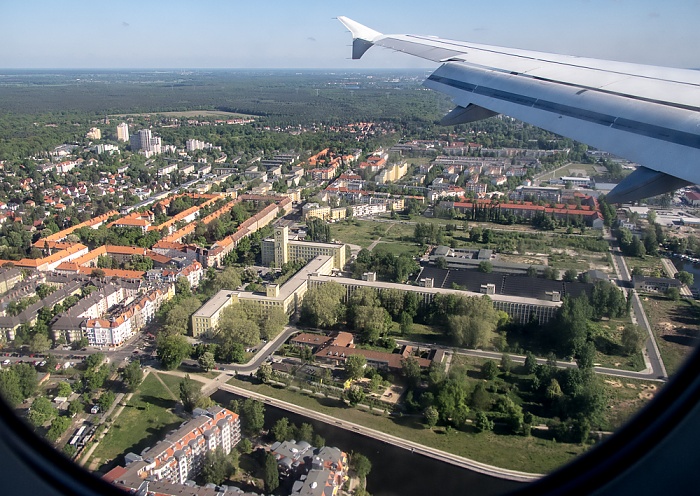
[(615, 384), (392, 394), (665, 327)]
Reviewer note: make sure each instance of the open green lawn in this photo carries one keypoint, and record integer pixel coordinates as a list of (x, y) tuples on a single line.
[(676, 326), (144, 420), (650, 266), (530, 454), (397, 248), (358, 232)]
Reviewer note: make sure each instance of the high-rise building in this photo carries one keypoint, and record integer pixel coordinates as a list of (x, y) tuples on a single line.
[(144, 141), (123, 132)]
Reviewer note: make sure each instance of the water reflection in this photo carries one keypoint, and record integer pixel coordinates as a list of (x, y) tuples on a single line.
[(395, 471)]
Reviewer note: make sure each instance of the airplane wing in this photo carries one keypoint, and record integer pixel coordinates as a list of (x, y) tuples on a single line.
[(649, 115)]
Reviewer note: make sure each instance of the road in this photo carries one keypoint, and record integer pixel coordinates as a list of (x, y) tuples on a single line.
[(652, 355), (494, 355)]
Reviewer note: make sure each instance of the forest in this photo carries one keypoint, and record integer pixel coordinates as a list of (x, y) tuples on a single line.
[(34, 115)]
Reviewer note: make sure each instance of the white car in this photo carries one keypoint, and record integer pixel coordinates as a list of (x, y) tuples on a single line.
[(6, 362)]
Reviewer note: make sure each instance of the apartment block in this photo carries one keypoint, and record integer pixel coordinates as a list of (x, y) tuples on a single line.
[(178, 458)]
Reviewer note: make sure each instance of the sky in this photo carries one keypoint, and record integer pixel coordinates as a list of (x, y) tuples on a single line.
[(303, 34)]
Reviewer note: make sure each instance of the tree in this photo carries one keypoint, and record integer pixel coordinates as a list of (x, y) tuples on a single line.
[(553, 391), (322, 305), (506, 363), (230, 278), (39, 343), (486, 267), (76, 406), (355, 366), (361, 465), (471, 321), (489, 370), (272, 323), (105, 401), (586, 356), (10, 387), (354, 395), (271, 475), (64, 389), (182, 287), (482, 422), (513, 413), (570, 275), (632, 339), (245, 446), (177, 319), (480, 399), (216, 467), (58, 427), (685, 277), (431, 416), (41, 411), (281, 429), (264, 372), (190, 392), (406, 323), (252, 416), (27, 379), (530, 362), (237, 325), (570, 328), (132, 375), (207, 361), (305, 432), (411, 371), (172, 349), (372, 322), (673, 294)]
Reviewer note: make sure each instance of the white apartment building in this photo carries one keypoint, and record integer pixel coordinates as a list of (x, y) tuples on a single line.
[(123, 132)]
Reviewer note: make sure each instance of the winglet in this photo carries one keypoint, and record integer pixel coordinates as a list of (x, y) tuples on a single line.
[(362, 36)]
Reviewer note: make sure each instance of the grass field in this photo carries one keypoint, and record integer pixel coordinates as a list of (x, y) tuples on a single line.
[(650, 266), (676, 326), (530, 454), (358, 232), (144, 420)]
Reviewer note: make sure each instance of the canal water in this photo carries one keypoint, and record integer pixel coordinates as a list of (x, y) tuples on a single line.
[(395, 471), (693, 269)]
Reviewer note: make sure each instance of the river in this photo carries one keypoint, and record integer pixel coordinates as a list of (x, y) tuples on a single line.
[(395, 471), (693, 269)]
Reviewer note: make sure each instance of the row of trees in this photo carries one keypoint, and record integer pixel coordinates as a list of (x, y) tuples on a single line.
[(470, 321), (387, 266)]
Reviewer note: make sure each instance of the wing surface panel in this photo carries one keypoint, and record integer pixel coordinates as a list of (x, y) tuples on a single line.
[(650, 115)]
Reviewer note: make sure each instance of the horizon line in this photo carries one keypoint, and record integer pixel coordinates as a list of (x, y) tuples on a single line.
[(170, 69)]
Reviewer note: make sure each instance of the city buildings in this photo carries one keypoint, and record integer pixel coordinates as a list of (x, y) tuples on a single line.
[(145, 143), (319, 471), (179, 457), (94, 134)]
